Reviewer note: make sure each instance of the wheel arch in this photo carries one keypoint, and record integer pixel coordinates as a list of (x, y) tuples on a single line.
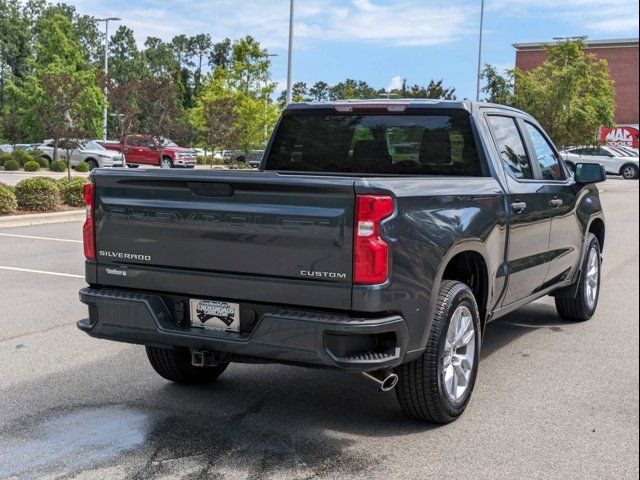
[(466, 262), (597, 227)]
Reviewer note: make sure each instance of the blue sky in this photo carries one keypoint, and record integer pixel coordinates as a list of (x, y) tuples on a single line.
[(380, 41)]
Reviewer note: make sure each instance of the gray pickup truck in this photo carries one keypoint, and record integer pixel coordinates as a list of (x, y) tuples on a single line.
[(342, 251)]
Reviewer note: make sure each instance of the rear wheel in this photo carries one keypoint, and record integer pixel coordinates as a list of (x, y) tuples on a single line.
[(92, 164), (175, 365), (629, 171), (584, 305), (437, 386)]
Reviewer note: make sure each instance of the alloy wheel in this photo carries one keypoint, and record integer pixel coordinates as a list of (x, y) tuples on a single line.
[(459, 354), (592, 278)]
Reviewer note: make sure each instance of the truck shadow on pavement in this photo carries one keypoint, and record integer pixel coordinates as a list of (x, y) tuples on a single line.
[(117, 419)]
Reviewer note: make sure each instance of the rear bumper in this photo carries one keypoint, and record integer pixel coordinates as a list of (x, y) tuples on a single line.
[(280, 334)]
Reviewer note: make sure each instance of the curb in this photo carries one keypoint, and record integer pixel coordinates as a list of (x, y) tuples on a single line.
[(41, 218)]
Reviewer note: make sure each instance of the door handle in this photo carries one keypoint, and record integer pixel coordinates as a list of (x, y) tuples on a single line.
[(556, 202), (518, 207)]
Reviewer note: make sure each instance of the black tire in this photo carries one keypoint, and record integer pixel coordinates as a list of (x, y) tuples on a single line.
[(175, 365), (420, 389), (629, 171), (578, 309), (92, 164), (164, 161), (132, 165), (240, 159)]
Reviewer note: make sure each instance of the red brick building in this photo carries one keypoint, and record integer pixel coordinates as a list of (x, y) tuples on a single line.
[(622, 56)]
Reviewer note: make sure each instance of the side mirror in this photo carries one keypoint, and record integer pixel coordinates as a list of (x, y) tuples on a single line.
[(589, 173)]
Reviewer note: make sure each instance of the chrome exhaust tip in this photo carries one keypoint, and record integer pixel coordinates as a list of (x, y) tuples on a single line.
[(385, 379)]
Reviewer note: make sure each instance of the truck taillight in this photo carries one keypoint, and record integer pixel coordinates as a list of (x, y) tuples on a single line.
[(88, 229), (371, 252)]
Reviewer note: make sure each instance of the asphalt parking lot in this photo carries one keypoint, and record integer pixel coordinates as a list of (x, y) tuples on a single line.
[(553, 399)]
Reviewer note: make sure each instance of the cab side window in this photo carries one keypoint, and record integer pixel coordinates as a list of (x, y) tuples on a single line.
[(545, 155), (511, 147)]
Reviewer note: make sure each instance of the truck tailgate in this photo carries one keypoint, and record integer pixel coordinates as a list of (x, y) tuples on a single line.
[(255, 236)]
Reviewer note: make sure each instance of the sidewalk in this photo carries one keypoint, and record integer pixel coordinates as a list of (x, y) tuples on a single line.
[(41, 218)]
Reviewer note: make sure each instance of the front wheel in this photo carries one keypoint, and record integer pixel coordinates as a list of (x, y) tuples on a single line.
[(437, 386), (584, 305), (175, 365), (166, 162), (629, 172)]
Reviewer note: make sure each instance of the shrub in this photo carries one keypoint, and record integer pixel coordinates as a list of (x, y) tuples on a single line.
[(4, 157), (11, 165), (58, 166), (71, 192), (82, 167), (36, 154), (31, 166), (38, 194), (8, 203), (43, 162), (21, 156)]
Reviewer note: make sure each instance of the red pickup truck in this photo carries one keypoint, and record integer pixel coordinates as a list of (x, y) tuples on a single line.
[(142, 150)]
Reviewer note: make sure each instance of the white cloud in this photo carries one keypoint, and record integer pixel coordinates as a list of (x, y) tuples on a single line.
[(390, 23), (395, 84), (618, 17), (616, 25)]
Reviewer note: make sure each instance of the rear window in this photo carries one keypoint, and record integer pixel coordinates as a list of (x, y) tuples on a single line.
[(425, 144)]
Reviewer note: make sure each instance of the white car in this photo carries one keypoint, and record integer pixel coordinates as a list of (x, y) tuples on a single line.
[(89, 152), (614, 161)]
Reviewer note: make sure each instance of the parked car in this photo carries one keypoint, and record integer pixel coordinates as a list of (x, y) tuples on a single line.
[(615, 162), (89, 152), (628, 150), (338, 257), (27, 147), (5, 148), (404, 151), (142, 150), (252, 157)]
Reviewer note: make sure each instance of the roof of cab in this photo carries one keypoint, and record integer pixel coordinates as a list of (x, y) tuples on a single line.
[(411, 103)]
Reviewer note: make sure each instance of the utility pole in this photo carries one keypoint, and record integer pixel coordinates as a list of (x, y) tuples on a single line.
[(479, 73), (290, 60), (106, 70)]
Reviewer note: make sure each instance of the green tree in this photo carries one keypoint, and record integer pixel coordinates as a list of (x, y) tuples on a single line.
[(498, 88), (200, 46), (160, 57), (220, 54), (299, 93), (571, 94), (61, 92), (125, 60), (182, 49), (352, 89), (319, 91)]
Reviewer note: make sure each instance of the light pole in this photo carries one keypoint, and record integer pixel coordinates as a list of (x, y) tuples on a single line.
[(106, 70), (480, 51), (290, 59)]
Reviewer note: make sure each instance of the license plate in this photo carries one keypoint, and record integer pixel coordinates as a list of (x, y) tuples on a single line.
[(215, 315)]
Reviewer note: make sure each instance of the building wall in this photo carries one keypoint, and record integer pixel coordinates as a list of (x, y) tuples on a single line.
[(623, 67)]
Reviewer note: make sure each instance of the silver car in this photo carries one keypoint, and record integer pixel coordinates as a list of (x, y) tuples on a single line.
[(615, 161), (89, 152)]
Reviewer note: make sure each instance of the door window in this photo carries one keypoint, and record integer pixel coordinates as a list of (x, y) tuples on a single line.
[(545, 155), (511, 147)]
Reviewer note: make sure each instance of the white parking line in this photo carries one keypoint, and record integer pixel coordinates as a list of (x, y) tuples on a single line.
[(15, 269), (40, 238)]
